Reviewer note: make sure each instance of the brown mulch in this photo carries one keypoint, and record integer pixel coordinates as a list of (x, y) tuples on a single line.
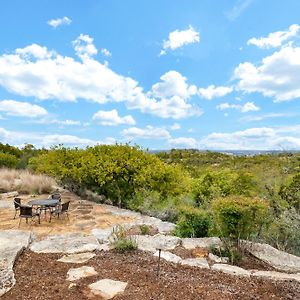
[(41, 276)]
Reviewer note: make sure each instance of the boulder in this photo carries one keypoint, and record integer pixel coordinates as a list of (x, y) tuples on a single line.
[(9, 195), (276, 275), (196, 262), (153, 243), (279, 260), (208, 242), (168, 256), (66, 243), (232, 270), (217, 259), (107, 288), (82, 272), (102, 234), (77, 258), (12, 243)]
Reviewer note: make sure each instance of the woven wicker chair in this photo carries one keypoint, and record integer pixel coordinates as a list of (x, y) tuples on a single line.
[(27, 213)]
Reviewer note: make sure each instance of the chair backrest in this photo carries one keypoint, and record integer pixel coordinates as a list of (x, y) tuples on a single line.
[(65, 206), (17, 202), (25, 211), (56, 196)]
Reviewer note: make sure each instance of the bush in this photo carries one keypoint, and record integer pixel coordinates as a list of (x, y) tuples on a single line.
[(193, 222), (8, 160), (291, 192), (145, 229), (120, 242)]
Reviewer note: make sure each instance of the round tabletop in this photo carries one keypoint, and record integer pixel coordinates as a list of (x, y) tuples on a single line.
[(43, 202)]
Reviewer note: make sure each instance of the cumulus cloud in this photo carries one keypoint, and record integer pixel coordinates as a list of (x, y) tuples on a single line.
[(249, 106), (22, 109), (60, 21), (149, 132), (67, 79), (105, 52), (213, 91), (277, 76), (275, 39), (183, 142), (112, 118), (261, 138), (180, 38)]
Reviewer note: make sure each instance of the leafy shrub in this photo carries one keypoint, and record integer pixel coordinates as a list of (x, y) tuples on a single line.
[(145, 229), (8, 160), (193, 222), (291, 192), (120, 241)]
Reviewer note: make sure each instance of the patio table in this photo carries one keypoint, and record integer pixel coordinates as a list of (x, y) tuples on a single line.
[(44, 204)]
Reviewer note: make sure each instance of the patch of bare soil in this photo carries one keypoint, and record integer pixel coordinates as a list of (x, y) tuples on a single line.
[(40, 276)]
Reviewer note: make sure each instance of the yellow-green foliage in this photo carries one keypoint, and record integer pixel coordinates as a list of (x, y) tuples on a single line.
[(239, 217)]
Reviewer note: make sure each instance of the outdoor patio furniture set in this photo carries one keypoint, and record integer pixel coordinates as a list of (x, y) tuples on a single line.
[(34, 208)]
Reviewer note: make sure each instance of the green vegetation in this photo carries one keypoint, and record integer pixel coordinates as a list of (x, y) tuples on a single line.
[(205, 193), (120, 241)]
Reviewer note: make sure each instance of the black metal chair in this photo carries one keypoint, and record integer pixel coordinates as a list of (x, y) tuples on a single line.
[(27, 213), (61, 209), (56, 196), (17, 204)]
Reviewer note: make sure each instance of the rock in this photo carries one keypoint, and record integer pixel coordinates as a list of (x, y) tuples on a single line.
[(276, 275), (9, 195), (72, 285), (104, 247), (66, 243), (77, 258), (107, 288), (217, 259), (168, 256), (196, 262), (12, 243), (280, 260), (159, 241), (82, 272), (232, 270), (192, 243), (102, 235)]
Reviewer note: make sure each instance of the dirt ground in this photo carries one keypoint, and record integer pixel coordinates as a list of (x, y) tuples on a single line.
[(83, 217), (41, 276)]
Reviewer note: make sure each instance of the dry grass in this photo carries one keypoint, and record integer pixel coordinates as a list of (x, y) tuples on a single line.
[(25, 182)]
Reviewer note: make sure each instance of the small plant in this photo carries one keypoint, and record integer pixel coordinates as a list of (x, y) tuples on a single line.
[(145, 229), (120, 241)]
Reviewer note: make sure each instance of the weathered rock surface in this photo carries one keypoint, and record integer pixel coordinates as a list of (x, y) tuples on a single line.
[(66, 243), (192, 243), (233, 270), (217, 259), (196, 262), (276, 275), (102, 234), (107, 288), (168, 256), (77, 258), (9, 195), (12, 243), (82, 272), (280, 260), (159, 241)]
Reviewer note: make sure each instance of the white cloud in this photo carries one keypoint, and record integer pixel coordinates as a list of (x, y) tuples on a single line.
[(112, 118), (149, 132), (183, 142), (84, 46), (261, 138), (265, 116), (278, 75), (21, 109), (239, 7), (178, 39), (275, 39), (105, 52), (50, 120), (175, 126), (67, 79), (214, 91), (60, 21), (249, 106)]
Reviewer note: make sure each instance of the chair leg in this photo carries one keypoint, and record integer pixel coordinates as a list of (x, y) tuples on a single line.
[(15, 214), (19, 222), (39, 219)]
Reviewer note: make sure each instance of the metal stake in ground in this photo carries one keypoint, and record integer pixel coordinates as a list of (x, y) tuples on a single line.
[(158, 266)]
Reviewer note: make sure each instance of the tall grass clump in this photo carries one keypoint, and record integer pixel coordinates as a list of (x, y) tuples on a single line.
[(25, 182)]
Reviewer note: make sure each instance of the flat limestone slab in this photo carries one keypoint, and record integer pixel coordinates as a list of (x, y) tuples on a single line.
[(168, 256), (82, 272), (77, 258), (280, 260), (66, 243), (192, 243), (107, 288), (12, 243), (196, 262), (276, 275), (232, 270)]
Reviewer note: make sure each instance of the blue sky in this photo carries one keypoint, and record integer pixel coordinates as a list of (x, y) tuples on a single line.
[(161, 74)]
